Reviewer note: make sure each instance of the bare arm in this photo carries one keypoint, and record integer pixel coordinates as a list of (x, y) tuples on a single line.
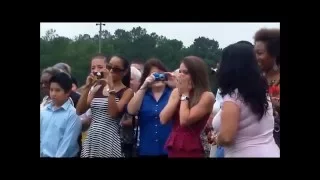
[(204, 107), (115, 108), (169, 110), (135, 103), (230, 116), (84, 101)]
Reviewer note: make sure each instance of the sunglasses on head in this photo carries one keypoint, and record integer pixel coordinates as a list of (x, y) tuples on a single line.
[(114, 69)]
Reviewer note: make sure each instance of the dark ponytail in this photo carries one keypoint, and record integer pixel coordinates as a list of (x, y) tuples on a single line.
[(126, 65)]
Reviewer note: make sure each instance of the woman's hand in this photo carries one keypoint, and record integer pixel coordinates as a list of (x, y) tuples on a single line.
[(150, 79), (171, 79), (184, 86), (171, 76), (107, 78), (91, 80), (95, 89)]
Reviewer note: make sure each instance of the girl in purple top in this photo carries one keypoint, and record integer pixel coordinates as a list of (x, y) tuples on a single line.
[(245, 122)]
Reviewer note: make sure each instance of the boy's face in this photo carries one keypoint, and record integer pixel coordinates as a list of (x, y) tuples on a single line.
[(57, 94)]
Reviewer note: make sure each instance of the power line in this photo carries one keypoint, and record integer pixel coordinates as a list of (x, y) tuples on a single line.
[(100, 31)]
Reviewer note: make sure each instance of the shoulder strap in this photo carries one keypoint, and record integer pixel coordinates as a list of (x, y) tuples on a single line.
[(119, 94)]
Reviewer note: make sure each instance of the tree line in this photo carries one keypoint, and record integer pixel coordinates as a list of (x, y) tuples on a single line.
[(135, 44)]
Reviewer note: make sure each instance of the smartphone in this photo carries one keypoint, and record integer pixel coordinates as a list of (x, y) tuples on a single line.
[(99, 75), (160, 77)]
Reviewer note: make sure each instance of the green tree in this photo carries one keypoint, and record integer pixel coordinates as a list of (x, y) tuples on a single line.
[(133, 44)]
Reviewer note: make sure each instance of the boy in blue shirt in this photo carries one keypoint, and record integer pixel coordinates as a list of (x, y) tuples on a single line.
[(60, 126)]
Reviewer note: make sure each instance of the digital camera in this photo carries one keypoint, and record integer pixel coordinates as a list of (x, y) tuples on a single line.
[(160, 77), (99, 75)]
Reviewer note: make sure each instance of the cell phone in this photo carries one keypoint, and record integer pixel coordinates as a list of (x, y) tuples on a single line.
[(99, 75), (160, 77)]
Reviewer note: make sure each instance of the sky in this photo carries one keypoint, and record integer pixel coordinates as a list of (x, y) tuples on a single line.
[(224, 33)]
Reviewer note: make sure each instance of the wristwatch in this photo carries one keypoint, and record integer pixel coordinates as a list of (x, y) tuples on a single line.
[(184, 98)]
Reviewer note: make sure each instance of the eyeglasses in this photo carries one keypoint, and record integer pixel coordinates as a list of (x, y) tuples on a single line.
[(114, 69)]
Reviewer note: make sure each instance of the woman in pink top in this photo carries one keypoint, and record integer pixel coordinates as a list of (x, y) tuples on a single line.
[(245, 122)]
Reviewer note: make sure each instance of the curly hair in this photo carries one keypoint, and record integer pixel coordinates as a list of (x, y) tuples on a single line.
[(239, 70), (271, 38)]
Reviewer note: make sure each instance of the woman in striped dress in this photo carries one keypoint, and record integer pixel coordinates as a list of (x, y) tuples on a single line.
[(107, 99)]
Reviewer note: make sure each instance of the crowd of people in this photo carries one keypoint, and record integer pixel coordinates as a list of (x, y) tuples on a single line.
[(135, 109)]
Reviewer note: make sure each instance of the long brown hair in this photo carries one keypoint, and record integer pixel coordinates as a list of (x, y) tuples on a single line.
[(198, 71), (153, 62)]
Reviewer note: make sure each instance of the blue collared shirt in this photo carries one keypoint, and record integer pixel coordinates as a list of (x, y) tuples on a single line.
[(59, 131), (153, 135)]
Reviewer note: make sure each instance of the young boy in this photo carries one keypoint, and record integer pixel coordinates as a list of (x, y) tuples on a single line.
[(60, 126)]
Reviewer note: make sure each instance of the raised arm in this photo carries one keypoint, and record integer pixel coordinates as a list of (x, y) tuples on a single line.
[(115, 108), (135, 103), (191, 115), (169, 110), (230, 116), (171, 79), (86, 98), (69, 146)]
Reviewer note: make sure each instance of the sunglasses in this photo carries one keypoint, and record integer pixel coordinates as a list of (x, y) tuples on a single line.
[(114, 69)]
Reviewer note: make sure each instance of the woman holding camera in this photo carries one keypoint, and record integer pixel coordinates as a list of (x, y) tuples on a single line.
[(190, 106), (147, 103), (106, 93)]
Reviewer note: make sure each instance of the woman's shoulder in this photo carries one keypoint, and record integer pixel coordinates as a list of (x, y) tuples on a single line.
[(234, 97), (208, 94)]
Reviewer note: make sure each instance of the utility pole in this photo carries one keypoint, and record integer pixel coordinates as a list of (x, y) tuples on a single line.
[(100, 31)]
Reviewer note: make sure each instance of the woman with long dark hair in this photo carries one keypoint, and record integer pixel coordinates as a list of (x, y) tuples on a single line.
[(107, 98), (245, 122), (190, 106)]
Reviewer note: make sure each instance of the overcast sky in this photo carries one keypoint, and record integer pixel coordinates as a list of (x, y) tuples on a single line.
[(224, 33)]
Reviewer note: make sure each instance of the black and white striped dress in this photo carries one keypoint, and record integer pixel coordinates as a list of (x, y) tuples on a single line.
[(103, 139)]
